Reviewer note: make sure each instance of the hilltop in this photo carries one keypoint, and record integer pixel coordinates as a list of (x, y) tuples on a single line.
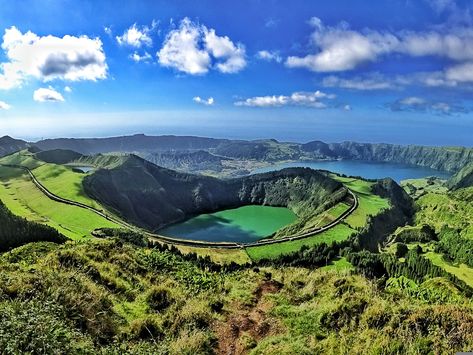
[(10, 145)]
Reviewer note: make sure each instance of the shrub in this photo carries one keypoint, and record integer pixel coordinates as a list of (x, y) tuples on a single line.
[(159, 299)]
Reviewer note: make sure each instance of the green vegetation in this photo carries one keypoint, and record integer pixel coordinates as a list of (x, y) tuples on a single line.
[(452, 209), (109, 297), (159, 197), (464, 178), (338, 233), (64, 182), (461, 271), (24, 199), (16, 231), (370, 204)]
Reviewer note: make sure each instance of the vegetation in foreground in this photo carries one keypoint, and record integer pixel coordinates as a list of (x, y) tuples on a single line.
[(110, 297)]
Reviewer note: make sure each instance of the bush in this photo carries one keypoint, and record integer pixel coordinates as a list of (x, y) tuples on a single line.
[(159, 299), (401, 250)]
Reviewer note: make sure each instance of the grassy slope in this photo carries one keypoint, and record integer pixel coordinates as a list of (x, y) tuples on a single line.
[(65, 183), (95, 297), (438, 207), (22, 197), (462, 271), (453, 209), (369, 204)]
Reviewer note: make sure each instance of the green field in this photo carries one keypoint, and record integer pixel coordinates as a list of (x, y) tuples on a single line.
[(462, 271), (369, 205), (64, 182), (336, 234), (24, 199)]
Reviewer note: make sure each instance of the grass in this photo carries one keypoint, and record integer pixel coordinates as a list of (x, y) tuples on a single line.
[(462, 271), (369, 203), (24, 199), (64, 182), (339, 264), (217, 255), (336, 234), (326, 217), (449, 209), (109, 297), (24, 158)]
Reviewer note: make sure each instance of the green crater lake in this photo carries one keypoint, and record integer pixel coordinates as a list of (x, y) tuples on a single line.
[(244, 224)]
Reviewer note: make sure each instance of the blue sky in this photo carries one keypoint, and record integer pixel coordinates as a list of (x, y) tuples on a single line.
[(398, 71)]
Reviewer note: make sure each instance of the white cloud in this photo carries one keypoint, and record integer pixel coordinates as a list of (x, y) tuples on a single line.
[(47, 95), (310, 99), (67, 89), (108, 30), (339, 48), (194, 49), (145, 57), (372, 82), (269, 56), (208, 102), (347, 108), (418, 104), (49, 57), (4, 106), (412, 101), (460, 73), (137, 36)]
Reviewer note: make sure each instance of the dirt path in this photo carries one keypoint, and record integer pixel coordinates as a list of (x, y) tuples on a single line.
[(248, 325)]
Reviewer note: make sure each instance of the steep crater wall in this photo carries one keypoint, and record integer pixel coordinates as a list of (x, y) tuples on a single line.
[(153, 197)]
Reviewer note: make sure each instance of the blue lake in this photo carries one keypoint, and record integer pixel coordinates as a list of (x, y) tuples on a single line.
[(369, 170)]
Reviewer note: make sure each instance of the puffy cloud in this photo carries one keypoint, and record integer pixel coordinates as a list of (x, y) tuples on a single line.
[(460, 73), (194, 49), (208, 102), (145, 57), (309, 99), (419, 104), (340, 48), (67, 89), (47, 95), (347, 108), (49, 57), (4, 106), (137, 36), (269, 56)]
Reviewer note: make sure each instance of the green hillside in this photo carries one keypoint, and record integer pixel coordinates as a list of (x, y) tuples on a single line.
[(464, 178), (160, 196), (108, 297)]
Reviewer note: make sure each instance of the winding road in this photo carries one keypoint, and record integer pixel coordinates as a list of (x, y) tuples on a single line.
[(161, 238)]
